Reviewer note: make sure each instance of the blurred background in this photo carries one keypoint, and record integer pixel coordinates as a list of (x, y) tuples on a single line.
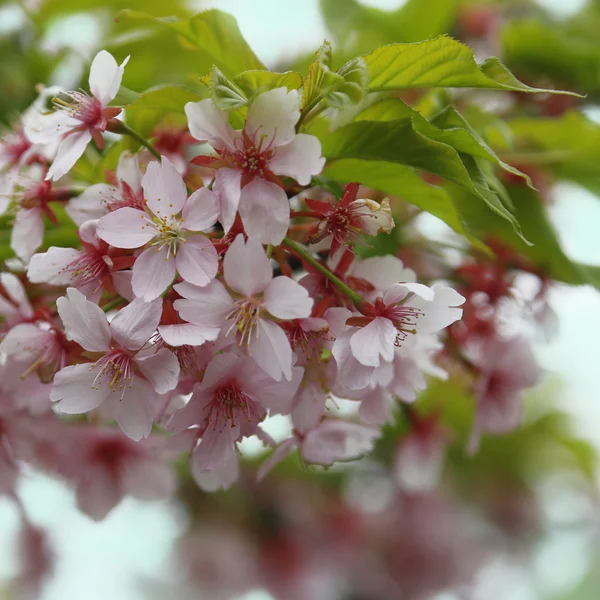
[(519, 521)]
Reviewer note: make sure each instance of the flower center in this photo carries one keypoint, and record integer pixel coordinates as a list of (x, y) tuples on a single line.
[(229, 403), (14, 145), (116, 371), (89, 266), (168, 233), (245, 315), (82, 107), (127, 198), (402, 316)]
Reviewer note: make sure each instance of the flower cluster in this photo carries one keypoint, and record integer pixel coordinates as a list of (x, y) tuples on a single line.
[(207, 294)]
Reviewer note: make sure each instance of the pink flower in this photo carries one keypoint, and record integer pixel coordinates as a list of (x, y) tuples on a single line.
[(231, 401), (100, 199), (247, 271), (88, 270), (80, 117), (14, 304), (406, 308), (250, 161), (343, 223), (172, 247), (507, 366), (109, 466), (122, 376)]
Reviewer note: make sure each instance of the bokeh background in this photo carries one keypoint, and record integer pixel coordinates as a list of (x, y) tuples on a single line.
[(521, 518)]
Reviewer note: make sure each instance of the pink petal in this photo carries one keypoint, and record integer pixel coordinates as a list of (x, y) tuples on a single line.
[(207, 306), (153, 271), (69, 152), (375, 340), (75, 389), (105, 76), (27, 233), (126, 228), (300, 159), (279, 454), (221, 367), (277, 396), (382, 271), (334, 440), (98, 492), (309, 406), (353, 374), (197, 260), (273, 116), (135, 413), (49, 266), (287, 299), (134, 324), (148, 479), (201, 210), (161, 370), (122, 282), (164, 189), (440, 312), (84, 321), (208, 123), (265, 211), (375, 408), (271, 350), (398, 292), (219, 479), (228, 184), (246, 268), (187, 334), (128, 171), (216, 446), (92, 203)]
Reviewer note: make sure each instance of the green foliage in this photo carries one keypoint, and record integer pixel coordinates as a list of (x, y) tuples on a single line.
[(441, 62)]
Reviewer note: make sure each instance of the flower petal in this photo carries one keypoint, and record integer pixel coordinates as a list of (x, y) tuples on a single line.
[(84, 321), (219, 479), (207, 122), (216, 447), (440, 312), (197, 260), (228, 184), (201, 210), (246, 268), (128, 170), (75, 390), (273, 116), (135, 412), (265, 211), (153, 271), (69, 152), (161, 370), (207, 306), (91, 204), (49, 266), (374, 340), (27, 233), (287, 299), (126, 228), (164, 189), (105, 76), (182, 334), (133, 325), (271, 350), (300, 159)]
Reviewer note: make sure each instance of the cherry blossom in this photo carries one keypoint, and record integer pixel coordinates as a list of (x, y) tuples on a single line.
[(172, 245), (233, 398), (249, 161), (343, 223), (507, 367), (248, 273), (14, 303), (88, 270), (102, 198), (79, 117), (123, 375), (404, 309)]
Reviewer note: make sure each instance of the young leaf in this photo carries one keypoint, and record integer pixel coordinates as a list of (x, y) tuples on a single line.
[(441, 62), (254, 83), (224, 93)]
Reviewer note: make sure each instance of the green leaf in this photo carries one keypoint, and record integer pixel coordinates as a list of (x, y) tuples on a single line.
[(213, 33), (448, 126), (353, 89), (569, 147), (154, 105), (441, 62), (224, 93), (254, 83), (320, 80), (400, 142)]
